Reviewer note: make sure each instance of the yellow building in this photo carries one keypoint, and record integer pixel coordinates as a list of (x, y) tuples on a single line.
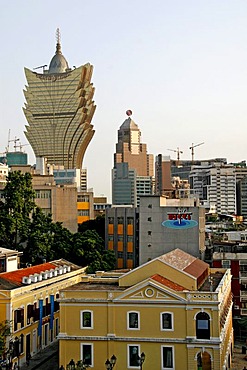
[(84, 206), (29, 301), (174, 309)]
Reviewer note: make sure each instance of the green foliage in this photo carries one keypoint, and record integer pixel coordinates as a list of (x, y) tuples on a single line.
[(16, 209), (98, 224), (23, 226), (5, 331)]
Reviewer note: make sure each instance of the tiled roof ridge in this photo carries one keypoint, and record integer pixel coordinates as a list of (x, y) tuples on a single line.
[(169, 283), (17, 275)]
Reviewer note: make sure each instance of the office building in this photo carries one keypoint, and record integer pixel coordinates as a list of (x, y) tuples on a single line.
[(132, 175), (215, 184), (163, 176), (84, 206), (166, 224), (59, 109), (174, 309), (121, 235)]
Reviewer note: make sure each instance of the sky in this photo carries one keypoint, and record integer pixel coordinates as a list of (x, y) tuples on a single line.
[(180, 66)]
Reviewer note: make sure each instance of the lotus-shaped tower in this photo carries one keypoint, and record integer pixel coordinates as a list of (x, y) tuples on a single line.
[(59, 109)]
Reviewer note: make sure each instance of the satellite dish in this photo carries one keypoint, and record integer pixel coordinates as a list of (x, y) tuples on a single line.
[(129, 112)]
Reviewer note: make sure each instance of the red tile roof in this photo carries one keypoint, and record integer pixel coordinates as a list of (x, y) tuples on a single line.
[(17, 275), (167, 282), (197, 268)]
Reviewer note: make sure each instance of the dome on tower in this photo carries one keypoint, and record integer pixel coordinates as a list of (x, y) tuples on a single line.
[(58, 63)]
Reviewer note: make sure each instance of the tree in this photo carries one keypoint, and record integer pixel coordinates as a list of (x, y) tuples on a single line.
[(5, 331), (98, 224), (16, 208), (89, 250)]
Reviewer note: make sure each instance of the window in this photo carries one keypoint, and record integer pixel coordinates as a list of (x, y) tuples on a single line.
[(202, 326), (120, 238), (133, 355), (149, 232), (130, 255), (86, 320), (166, 319), (133, 320), (30, 313), (87, 353), (167, 357), (150, 219), (130, 220), (111, 220), (82, 198), (120, 254), (83, 212), (120, 220), (226, 264), (18, 319)]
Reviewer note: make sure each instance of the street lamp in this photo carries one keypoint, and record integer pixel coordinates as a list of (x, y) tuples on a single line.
[(109, 364), (141, 359)]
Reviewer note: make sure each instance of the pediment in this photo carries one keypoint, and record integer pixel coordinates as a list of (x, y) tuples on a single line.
[(150, 291)]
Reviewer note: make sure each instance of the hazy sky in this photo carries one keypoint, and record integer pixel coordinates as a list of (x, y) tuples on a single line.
[(179, 65)]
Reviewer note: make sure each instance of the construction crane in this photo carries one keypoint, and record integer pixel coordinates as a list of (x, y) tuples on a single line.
[(15, 143), (20, 146), (178, 154), (192, 150)]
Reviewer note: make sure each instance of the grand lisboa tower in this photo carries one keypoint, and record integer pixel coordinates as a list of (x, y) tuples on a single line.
[(59, 109)]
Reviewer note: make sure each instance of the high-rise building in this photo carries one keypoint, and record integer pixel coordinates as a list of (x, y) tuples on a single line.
[(215, 184), (163, 184), (59, 109), (133, 167)]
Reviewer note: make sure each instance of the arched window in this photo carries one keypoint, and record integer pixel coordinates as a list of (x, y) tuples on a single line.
[(202, 326)]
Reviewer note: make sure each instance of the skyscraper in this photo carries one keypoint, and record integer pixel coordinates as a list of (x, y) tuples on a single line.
[(130, 149), (133, 168), (59, 109)]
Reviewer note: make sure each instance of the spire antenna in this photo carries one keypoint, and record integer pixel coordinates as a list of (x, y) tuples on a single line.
[(58, 37)]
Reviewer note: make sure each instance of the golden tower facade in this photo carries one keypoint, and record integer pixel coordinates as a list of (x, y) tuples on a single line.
[(59, 109)]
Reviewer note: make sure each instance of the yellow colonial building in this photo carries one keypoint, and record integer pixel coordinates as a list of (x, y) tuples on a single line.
[(174, 309), (29, 301)]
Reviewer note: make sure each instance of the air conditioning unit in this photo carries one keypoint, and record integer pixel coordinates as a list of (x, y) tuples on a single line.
[(34, 278), (44, 275), (52, 272), (55, 272), (26, 280), (49, 273)]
